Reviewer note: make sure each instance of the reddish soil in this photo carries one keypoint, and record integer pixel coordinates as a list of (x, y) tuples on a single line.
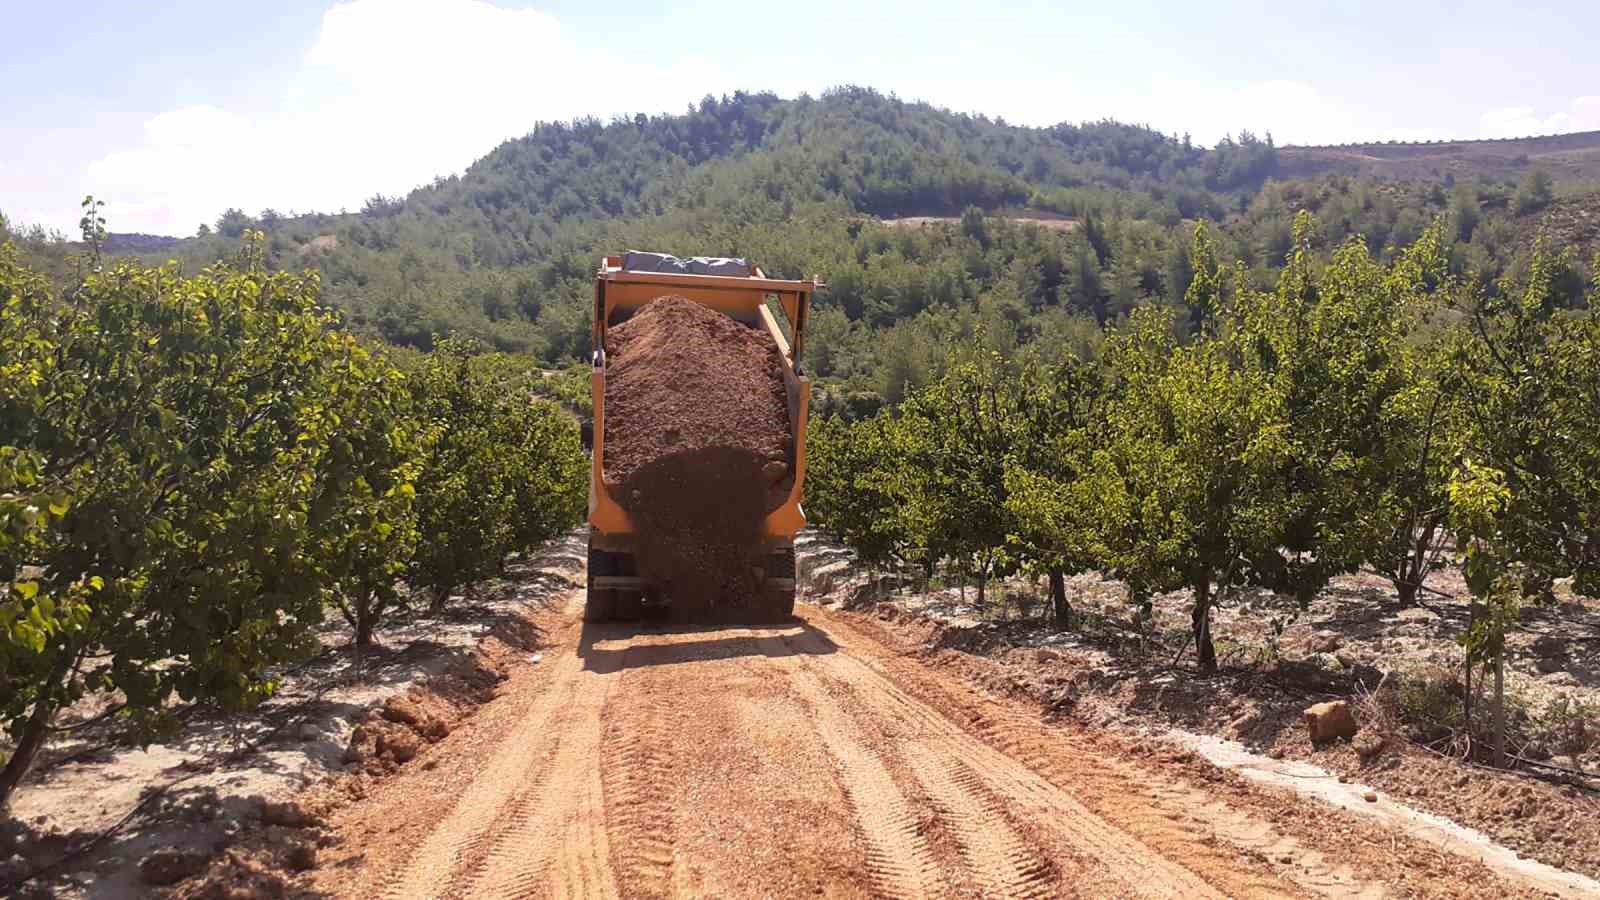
[(835, 756), (823, 757), (1099, 676), (697, 446)]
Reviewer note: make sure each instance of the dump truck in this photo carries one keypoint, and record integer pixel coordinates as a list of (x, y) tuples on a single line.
[(616, 589)]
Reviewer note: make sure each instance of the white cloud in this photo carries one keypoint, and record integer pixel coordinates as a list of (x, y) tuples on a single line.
[(391, 94), (395, 92), (1294, 112), (1582, 114), (1027, 93)]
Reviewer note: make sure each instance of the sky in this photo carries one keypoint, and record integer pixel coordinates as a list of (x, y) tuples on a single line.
[(172, 112)]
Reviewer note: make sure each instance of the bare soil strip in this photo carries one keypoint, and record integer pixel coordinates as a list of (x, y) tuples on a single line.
[(904, 718), (555, 839), (825, 758), (900, 861), (497, 799)]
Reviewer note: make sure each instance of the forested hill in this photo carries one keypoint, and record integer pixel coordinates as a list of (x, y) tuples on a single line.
[(875, 154), (504, 251), (501, 250)]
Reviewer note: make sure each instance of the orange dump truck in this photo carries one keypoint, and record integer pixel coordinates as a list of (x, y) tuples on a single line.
[(622, 285)]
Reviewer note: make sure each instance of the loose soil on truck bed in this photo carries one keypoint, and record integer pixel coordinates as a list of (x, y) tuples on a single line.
[(698, 446)]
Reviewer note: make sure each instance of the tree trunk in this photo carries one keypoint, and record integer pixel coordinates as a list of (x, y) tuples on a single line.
[(1414, 568), (366, 621), (1466, 702), (33, 733), (1200, 623), (1407, 589), (1058, 599), (1499, 709), (1410, 574)]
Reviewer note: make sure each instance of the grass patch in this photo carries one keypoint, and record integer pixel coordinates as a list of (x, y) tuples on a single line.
[(1429, 706)]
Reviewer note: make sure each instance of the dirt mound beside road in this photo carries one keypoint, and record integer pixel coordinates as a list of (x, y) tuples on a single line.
[(697, 446)]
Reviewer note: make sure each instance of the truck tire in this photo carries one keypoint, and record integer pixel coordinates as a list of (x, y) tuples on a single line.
[(778, 590), (598, 605), (626, 604)]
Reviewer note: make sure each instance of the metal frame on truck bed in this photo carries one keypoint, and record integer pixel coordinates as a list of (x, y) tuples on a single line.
[(615, 589)]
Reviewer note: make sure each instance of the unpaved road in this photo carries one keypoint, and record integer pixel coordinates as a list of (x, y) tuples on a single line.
[(822, 758)]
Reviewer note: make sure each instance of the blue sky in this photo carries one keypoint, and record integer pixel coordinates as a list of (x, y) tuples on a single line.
[(172, 112)]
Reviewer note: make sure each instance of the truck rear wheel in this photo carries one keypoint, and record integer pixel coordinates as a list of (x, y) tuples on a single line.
[(778, 588), (627, 604), (599, 605)]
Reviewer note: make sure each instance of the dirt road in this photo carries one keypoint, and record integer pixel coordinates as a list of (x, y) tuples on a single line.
[(823, 758)]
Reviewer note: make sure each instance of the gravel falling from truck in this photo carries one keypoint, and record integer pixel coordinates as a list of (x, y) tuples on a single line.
[(697, 448)]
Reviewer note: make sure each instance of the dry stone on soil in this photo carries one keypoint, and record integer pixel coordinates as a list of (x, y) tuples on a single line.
[(697, 447), (1326, 721)]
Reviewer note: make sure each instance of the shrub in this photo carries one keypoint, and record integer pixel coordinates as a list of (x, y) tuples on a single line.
[(164, 442), (192, 469), (506, 471), (1431, 704)]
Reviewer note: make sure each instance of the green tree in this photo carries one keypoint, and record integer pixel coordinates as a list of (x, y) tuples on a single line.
[(1535, 192), (154, 428), (505, 472), (1527, 499), (1047, 490), (1464, 211), (1531, 393), (365, 520), (958, 431), (544, 467), (1186, 479), (974, 226), (1479, 502), (233, 223), (464, 508), (854, 485), (1364, 476)]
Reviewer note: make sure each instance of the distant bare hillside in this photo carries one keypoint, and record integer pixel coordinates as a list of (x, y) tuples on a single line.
[(1570, 155), (132, 242)]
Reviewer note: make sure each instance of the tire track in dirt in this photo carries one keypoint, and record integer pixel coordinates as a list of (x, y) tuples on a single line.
[(556, 843), (635, 772), (971, 846), (515, 773), (1001, 861), (758, 807), (1172, 819), (658, 760), (900, 863), (1144, 872)]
